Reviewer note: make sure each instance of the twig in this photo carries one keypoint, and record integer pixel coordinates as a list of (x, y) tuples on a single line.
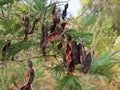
[(3, 13), (21, 60)]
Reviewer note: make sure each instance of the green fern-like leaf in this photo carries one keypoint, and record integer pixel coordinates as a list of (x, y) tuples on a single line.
[(102, 65), (18, 46), (88, 20), (58, 70), (69, 82), (86, 37)]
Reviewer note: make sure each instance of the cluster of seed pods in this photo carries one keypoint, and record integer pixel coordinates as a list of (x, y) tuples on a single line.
[(74, 53), (25, 22)]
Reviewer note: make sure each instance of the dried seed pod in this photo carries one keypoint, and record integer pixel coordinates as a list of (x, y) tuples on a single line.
[(33, 25), (66, 6), (68, 50), (56, 20), (59, 46), (69, 39), (75, 56), (26, 87), (64, 13), (63, 25), (52, 28), (30, 64), (82, 52), (71, 67), (43, 43), (25, 27), (87, 63), (30, 76), (25, 21), (44, 51), (44, 39), (59, 29), (5, 48), (52, 36), (44, 31), (54, 10)]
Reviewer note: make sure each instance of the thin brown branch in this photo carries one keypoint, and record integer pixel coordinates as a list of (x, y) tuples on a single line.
[(34, 57)]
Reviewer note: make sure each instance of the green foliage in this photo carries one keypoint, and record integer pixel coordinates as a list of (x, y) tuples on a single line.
[(39, 4), (18, 46), (94, 29), (102, 65), (59, 70), (68, 82), (2, 2), (8, 25), (87, 20), (85, 37)]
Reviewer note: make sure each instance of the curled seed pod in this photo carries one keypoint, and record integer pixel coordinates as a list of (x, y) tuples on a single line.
[(63, 25), (43, 43), (75, 53), (82, 52), (30, 64), (79, 52), (33, 25), (26, 87), (43, 51), (68, 51), (25, 21), (59, 29), (44, 39), (59, 46), (71, 67), (25, 27), (52, 28), (69, 38), (44, 31), (64, 13), (52, 36), (87, 63), (30, 76), (56, 19), (12, 59), (5, 48), (54, 10), (66, 6)]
